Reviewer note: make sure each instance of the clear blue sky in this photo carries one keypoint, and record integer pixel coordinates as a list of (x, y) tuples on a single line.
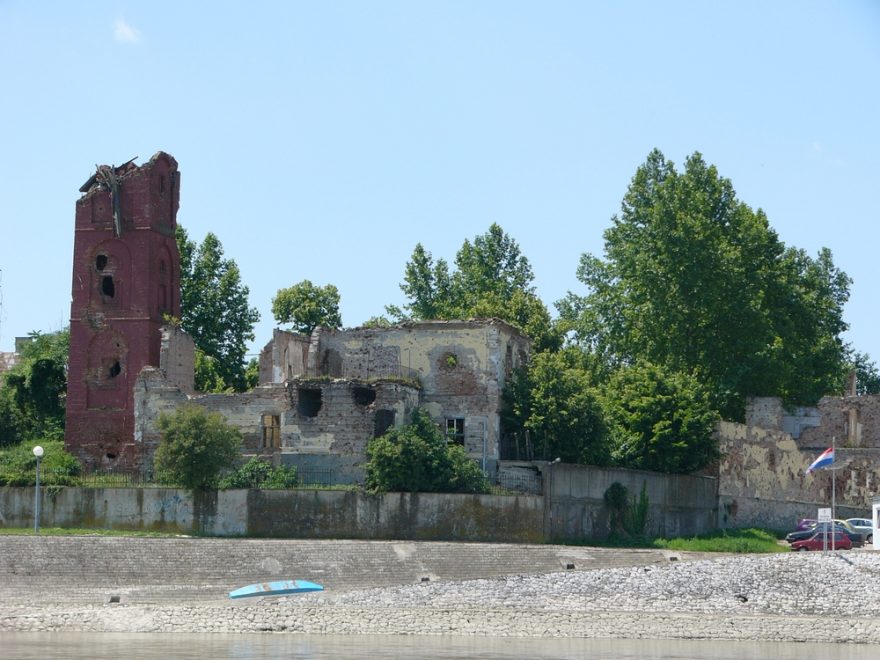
[(323, 140)]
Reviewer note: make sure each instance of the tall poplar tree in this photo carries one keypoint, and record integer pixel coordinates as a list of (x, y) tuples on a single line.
[(214, 312), (696, 281)]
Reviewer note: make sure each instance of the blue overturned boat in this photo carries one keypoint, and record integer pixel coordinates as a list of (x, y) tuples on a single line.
[(276, 588)]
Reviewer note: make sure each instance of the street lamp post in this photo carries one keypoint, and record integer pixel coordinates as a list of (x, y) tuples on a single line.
[(38, 452)]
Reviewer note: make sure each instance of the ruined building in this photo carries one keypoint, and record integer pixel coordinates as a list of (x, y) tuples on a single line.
[(322, 398), (126, 276)]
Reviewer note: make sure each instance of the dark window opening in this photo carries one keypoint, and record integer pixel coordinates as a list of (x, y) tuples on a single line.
[(111, 456), (163, 298), (383, 421), (455, 430), (162, 183), (271, 425), (101, 262), (309, 402), (161, 266), (115, 369), (108, 288), (364, 396)]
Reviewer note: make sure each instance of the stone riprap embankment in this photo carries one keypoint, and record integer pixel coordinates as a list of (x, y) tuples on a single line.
[(786, 597)]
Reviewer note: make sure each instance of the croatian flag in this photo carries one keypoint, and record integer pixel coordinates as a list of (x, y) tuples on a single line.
[(825, 459)]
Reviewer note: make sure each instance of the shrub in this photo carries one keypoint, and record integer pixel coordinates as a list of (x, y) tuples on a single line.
[(418, 457), (57, 467), (628, 517), (259, 473), (196, 447)]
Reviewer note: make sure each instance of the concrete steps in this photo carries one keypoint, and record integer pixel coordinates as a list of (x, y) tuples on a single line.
[(89, 569)]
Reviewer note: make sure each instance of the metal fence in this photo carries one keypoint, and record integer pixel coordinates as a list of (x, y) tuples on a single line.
[(524, 482)]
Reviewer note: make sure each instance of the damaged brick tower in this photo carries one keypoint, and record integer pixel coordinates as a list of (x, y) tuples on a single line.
[(126, 276)]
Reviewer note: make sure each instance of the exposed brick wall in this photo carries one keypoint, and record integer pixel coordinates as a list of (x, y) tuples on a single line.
[(121, 287)]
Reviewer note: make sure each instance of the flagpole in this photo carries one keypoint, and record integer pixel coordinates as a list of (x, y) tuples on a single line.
[(833, 495)]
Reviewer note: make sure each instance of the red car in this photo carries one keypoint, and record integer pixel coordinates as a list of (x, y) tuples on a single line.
[(820, 540)]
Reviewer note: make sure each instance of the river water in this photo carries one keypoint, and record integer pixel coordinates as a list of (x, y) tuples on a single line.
[(101, 646)]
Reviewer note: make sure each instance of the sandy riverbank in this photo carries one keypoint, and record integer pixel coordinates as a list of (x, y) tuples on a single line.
[(787, 597)]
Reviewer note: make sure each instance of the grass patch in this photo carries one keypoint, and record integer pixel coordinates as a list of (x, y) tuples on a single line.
[(73, 531), (746, 541), (726, 540)]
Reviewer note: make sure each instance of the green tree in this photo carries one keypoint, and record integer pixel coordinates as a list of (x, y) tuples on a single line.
[(196, 446), (418, 457), (867, 374), (553, 398), (493, 263), (33, 393), (696, 280), (492, 279), (659, 420), (214, 310), (307, 306)]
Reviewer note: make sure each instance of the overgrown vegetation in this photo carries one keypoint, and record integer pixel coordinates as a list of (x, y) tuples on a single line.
[(419, 458), (33, 392), (628, 516), (196, 447), (57, 468), (259, 473), (76, 531)]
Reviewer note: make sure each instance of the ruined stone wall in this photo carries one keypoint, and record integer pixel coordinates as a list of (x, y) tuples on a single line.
[(461, 366), (762, 480), (284, 357), (332, 421), (853, 421), (341, 416), (177, 357)]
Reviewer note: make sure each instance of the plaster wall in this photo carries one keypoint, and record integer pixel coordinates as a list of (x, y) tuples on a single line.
[(762, 480)]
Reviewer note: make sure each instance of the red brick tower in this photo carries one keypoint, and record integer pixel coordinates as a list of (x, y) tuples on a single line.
[(126, 276)]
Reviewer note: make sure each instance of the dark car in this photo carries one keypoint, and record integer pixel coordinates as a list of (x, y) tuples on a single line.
[(855, 539), (864, 526), (822, 541)]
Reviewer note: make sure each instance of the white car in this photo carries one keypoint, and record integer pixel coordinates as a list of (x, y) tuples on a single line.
[(864, 526)]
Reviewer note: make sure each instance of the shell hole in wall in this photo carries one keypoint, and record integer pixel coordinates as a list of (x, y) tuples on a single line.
[(363, 396), (114, 370), (309, 401), (100, 262)]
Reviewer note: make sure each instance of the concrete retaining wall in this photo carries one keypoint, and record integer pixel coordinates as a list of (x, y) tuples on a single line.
[(287, 514), (678, 504)]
